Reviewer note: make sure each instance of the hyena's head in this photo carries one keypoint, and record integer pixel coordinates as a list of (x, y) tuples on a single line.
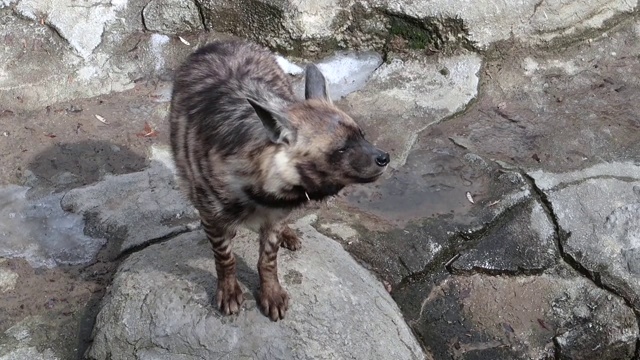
[(321, 148)]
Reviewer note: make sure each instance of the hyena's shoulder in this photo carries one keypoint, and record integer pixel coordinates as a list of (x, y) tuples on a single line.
[(233, 63), (210, 95)]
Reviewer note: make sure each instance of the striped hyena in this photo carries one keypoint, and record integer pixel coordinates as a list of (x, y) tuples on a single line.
[(247, 152)]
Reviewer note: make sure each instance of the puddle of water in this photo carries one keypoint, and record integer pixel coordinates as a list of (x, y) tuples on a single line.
[(431, 184)]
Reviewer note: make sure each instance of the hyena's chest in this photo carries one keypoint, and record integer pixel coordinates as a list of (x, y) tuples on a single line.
[(262, 215)]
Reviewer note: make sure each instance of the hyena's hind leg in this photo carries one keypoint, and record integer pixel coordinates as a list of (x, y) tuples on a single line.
[(229, 296), (289, 239)]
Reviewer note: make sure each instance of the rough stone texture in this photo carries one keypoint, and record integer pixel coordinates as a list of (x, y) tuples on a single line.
[(277, 23), (602, 232), (29, 353), (41, 232), (104, 51), (134, 208), (81, 25), (372, 23), (486, 317), (414, 94), (172, 16), (529, 20), (160, 306), (522, 244)]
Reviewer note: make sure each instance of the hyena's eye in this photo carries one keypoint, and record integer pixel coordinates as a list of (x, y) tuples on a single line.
[(342, 150)]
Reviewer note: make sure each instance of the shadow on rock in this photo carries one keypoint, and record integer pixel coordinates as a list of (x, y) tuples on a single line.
[(69, 165)]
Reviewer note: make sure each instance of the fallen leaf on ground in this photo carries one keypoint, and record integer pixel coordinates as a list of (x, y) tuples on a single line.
[(101, 119), (147, 131)]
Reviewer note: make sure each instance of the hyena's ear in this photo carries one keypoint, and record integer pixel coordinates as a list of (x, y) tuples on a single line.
[(315, 84), (277, 125)]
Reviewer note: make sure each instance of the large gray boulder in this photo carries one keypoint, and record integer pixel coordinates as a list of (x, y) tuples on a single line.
[(160, 306)]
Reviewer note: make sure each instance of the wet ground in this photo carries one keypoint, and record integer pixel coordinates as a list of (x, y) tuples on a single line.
[(434, 222)]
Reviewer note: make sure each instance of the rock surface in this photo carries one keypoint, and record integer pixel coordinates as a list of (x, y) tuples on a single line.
[(134, 209), (529, 20), (445, 87), (434, 25), (521, 318), (172, 16), (160, 306), (602, 232), (41, 232), (522, 244)]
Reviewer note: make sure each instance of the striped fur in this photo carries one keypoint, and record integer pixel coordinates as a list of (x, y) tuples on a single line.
[(247, 152)]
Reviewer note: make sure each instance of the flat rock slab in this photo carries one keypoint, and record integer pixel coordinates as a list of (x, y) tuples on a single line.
[(134, 208), (41, 232), (599, 211), (523, 243), (554, 315), (160, 306)]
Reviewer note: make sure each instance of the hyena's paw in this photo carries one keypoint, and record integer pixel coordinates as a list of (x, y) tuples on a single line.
[(229, 297), (274, 301), (290, 239)]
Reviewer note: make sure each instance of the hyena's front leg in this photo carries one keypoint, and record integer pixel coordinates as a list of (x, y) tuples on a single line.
[(289, 238), (274, 300), (229, 294)]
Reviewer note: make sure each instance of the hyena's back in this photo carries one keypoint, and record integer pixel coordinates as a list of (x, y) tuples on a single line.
[(213, 124)]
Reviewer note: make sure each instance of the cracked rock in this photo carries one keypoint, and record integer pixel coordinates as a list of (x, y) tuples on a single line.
[(523, 243), (506, 317), (529, 20), (161, 306), (601, 219), (172, 16), (133, 208)]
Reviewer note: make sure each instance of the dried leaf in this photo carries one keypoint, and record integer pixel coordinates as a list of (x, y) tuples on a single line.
[(147, 131), (184, 41), (387, 286), (101, 119), (470, 198)]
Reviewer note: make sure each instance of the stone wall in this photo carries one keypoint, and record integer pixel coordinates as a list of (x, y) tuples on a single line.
[(56, 50)]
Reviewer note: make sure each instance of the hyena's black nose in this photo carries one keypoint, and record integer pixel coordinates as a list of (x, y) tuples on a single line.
[(383, 159)]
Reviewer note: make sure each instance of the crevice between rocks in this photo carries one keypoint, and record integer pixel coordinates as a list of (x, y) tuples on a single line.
[(201, 15), (562, 236), (159, 240)]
